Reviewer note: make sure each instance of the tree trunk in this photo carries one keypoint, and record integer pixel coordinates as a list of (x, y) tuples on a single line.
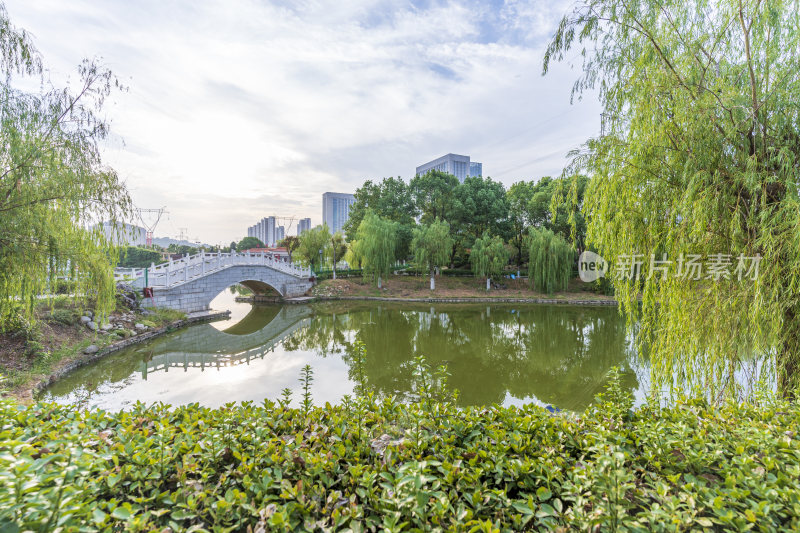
[(379, 282), (788, 378), (488, 283), (433, 283)]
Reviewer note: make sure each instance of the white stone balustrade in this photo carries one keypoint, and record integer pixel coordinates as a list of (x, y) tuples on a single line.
[(173, 273)]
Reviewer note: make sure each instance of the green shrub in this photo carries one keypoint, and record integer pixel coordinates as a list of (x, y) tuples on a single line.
[(64, 316), (382, 465)]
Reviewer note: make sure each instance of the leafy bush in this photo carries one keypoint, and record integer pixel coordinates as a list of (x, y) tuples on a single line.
[(370, 464), (64, 316), (344, 273)]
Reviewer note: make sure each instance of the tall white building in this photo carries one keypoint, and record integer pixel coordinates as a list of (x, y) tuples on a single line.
[(304, 224), (264, 230), (336, 209), (280, 233), (459, 166)]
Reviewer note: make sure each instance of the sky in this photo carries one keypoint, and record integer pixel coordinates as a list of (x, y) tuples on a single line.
[(240, 109)]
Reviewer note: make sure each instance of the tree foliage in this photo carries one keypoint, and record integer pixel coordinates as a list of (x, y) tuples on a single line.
[(53, 183), (431, 246), (336, 250), (291, 243), (488, 256), (249, 242), (700, 155), (377, 245), (390, 199), (136, 257), (313, 244), (550, 261), (433, 196)]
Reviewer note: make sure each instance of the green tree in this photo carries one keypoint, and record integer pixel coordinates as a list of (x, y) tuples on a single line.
[(433, 194), (480, 206), (519, 195), (377, 245), (550, 261), (431, 246), (53, 183), (699, 155), (135, 257), (389, 199), (489, 257), (233, 246), (291, 243), (312, 246), (248, 243), (336, 250)]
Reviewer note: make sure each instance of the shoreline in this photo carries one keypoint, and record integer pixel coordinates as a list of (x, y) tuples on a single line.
[(475, 299), (28, 393)]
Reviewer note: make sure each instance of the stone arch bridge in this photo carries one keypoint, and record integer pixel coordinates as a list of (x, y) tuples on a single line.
[(189, 284)]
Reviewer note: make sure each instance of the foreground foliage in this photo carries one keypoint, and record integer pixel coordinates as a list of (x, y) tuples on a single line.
[(383, 465), (698, 160)]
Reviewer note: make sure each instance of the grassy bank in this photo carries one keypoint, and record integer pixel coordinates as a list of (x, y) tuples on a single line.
[(447, 287), (29, 354), (369, 465)]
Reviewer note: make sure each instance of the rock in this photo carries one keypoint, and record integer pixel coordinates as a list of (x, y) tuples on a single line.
[(127, 296), (89, 314), (106, 327), (91, 349), (92, 326), (140, 326), (147, 312), (85, 320)]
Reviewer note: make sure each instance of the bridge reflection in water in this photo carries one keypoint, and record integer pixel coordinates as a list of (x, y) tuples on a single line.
[(205, 346)]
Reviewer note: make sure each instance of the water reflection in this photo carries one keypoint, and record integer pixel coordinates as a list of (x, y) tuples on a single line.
[(557, 355)]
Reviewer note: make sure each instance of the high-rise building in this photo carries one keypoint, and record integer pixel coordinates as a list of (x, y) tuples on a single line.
[(458, 165), (304, 224), (264, 230), (279, 234), (336, 209)]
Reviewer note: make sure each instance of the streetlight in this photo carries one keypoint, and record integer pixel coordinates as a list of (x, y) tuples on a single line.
[(320, 259)]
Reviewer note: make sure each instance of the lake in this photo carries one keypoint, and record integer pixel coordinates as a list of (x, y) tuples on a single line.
[(507, 354)]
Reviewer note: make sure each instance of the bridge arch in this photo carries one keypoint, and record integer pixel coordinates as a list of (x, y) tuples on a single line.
[(197, 293)]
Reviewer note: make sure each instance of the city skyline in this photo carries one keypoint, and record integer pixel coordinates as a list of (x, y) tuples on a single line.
[(270, 109)]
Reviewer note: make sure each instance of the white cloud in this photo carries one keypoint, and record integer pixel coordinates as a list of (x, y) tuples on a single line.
[(240, 109)]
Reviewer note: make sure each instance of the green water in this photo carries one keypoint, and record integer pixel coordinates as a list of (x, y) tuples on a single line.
[(508, 354)]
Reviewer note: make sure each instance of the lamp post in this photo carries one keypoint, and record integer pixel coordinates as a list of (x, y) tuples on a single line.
[(320, 259)]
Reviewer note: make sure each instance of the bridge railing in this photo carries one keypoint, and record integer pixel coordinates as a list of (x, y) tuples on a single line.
[(194, 266)]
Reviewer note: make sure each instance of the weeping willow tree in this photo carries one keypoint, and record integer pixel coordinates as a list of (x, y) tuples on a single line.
[(550, 260), (337, 248), (377, 244), (431, 246), (312, 245), (488, 257), (54, 188), (697, 164)]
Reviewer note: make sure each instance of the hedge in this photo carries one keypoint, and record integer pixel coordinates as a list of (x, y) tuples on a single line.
[(343, 273), (374, 465)]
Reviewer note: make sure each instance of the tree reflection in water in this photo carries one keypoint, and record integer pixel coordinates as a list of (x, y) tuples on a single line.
[(559, 355), (554, 354)]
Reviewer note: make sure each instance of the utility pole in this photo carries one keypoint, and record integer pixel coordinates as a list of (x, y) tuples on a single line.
[(150, 214)]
